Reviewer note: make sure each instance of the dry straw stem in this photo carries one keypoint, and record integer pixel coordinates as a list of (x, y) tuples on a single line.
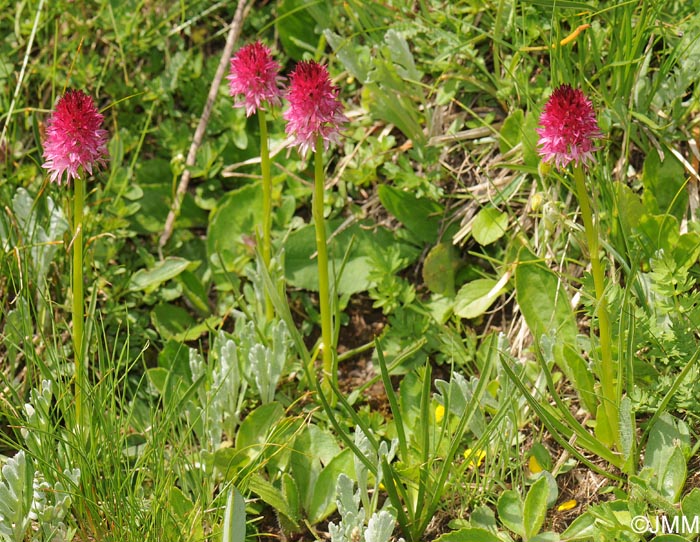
[(235, 31)]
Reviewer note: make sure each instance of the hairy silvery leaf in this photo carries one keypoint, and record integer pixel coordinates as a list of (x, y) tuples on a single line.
[(50, 505), (16, 497), (228, 381), (267, 364), (37, 416), (361, 471), (351, 524), (380, 527)]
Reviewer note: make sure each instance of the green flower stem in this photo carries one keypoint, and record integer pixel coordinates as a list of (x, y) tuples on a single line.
[(610, 399), (329, 359), (78, 296), (267, 206)]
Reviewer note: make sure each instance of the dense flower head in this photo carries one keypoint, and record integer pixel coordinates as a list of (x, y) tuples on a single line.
[(568, 128), (74, 137), (314, 107), (255, 75)]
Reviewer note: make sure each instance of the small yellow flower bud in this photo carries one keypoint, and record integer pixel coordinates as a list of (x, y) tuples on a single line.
[(477, 457), (568, 505), (544, 169), (534, 465), (439, 413), (536, 202)]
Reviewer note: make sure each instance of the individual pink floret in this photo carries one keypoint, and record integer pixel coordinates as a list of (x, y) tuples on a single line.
[(314, 107), (255, 75), (569, 128), (74, 137)]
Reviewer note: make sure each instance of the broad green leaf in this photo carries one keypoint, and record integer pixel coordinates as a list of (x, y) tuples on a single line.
[(658, 232), (324, 492), (439, 269), (174, 322), (545, 305), (195, 291), (313, 448), (552, 488), (401, 55), (254, 430), (672, 537), (543, 300), (420, 216), (489, 225), (541, 456), (158, 377), (171, 320), (179, 504), (582, 528), (234, 517), (691, 502), (155, 206), (511, 131), (162, 271), (290, 491), (301, 269), (393, 105), (175, 357), (232, 228), (475, 297), (230, 462), (664, 185), (535, 507), (674, 476), (469, 535), (530, 139), (687, 250), (630, 207), (665, 436), (511, 511), (483, 517)]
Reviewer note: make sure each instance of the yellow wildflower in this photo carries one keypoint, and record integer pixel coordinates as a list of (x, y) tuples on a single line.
[(534, 465), (568, 505), (439, 413), (477, 457)]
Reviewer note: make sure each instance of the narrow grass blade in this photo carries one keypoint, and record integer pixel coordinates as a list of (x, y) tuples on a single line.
[(436, 497), (393, 401), (391, 489), (557, 428), (561, 4), (426, 463)]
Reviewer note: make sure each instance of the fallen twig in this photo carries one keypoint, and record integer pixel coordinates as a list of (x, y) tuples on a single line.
[(233, 34)]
